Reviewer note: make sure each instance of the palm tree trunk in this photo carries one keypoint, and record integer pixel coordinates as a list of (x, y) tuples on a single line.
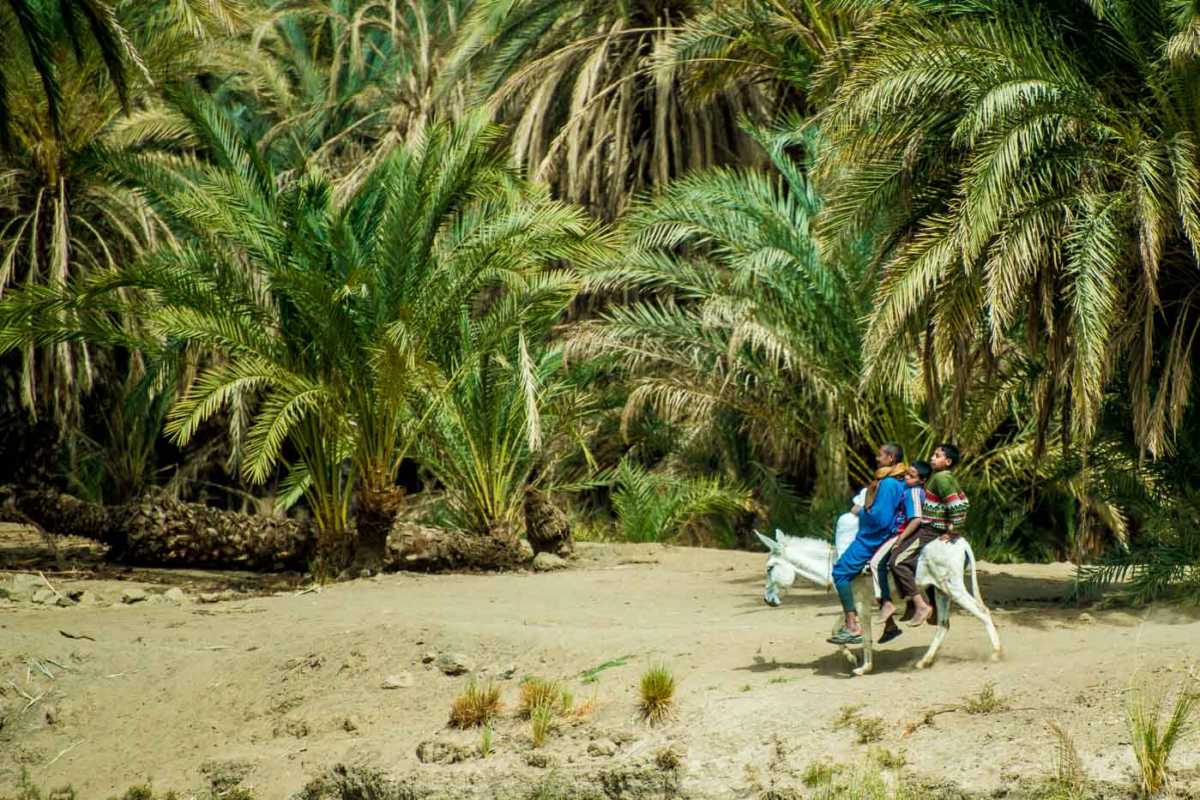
[(546, 525), (425, 549), (161, 531), (373, 520)]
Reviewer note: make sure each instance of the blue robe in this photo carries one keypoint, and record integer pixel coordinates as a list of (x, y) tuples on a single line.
[(875, 526)]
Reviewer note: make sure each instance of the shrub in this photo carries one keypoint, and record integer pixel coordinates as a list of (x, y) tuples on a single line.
[(1153, 737), (476, 706), (668, 759), (986, 701), (657, 694)]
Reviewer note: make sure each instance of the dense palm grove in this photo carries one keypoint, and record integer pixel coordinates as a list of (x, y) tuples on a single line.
[(669, 266)]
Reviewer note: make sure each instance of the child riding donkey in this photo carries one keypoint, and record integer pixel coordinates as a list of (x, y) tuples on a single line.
[(942, 515), (879, 519)]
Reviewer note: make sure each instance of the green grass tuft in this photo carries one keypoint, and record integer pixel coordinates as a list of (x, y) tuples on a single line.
[(657, 694)]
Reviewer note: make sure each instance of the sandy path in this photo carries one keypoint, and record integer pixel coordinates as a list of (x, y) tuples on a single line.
[(271, 681)]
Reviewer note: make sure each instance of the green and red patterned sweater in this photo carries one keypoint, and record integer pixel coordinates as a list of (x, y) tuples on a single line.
[(945, 503)]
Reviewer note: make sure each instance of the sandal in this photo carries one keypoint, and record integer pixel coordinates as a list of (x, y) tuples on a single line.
[(845, 636), (889, 634)]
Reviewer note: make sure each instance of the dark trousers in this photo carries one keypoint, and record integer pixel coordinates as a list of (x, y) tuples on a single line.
[(904, 561)]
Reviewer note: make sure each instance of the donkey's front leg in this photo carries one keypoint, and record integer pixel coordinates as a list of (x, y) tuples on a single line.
[(863, 605)]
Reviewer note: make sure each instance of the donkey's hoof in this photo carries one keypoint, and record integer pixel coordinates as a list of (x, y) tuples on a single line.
[(997, 655), (922, 664), (865, 669)]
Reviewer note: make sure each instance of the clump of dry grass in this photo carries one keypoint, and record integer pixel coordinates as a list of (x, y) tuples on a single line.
[(657, 694), (538, 693), (1153, 737), (476, 706), (986, 701), (869, 729)]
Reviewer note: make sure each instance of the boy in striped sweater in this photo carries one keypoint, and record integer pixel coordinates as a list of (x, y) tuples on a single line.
[(942, 515)]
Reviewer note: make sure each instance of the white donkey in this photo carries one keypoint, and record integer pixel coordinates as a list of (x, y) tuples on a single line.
[(941, 566)]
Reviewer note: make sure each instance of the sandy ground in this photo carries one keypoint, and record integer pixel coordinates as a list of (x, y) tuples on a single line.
[(278, 687)]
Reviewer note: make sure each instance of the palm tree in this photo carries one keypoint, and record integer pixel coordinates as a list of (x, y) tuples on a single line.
[(504, 430), (339, 324), (591, 110), (61, 212), (1032, 175), (740, 312)]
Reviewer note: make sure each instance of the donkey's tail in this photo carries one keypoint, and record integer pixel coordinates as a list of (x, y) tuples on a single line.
[(974, 575)]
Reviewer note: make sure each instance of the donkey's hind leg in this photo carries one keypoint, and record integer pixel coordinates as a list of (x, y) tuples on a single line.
[(943, 626), (981, 613)]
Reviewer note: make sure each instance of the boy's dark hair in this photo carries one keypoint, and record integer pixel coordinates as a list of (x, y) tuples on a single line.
[(923, 469), (950, 452), (896, 451)]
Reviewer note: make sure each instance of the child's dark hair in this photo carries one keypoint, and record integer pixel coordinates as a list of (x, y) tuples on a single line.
[(923, 470), (950, 452)]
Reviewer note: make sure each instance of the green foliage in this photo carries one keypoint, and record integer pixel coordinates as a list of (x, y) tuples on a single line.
[(655, 507), (541, 722)]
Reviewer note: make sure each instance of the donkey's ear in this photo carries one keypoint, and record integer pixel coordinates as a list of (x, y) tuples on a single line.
[(780, 537), (772, 546)]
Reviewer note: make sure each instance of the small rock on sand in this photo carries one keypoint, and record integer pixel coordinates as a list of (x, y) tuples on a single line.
[(44, 597), (401, 680), (454, 664), (602, 747), (133, 595), (175, 595), (545, 562), (539, 760)]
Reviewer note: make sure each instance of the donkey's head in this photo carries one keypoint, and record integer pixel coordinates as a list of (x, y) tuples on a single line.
[(780, 572)]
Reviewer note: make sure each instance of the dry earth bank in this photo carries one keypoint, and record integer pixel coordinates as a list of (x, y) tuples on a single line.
[(275, 686)]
